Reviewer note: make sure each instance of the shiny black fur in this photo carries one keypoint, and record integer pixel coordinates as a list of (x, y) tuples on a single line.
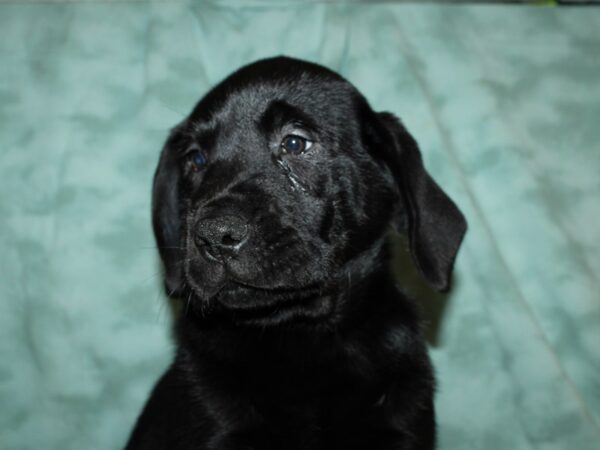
[(292, 333)]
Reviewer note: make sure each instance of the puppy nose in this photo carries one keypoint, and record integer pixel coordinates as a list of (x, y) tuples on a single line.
[(226, 233)]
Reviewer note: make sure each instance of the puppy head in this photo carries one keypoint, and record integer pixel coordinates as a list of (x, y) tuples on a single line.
[(282, 178)]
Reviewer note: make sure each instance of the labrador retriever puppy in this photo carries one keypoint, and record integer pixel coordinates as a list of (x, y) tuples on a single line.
[(271, 206)]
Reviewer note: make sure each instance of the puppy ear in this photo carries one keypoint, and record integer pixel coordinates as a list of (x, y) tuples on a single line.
[(166, 219), (434, 224)]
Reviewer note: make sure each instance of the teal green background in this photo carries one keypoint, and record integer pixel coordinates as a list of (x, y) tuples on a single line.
[(504, 101)]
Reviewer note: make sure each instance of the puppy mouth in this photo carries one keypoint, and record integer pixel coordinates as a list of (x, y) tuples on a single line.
[(249, 304), (225, 293), (262, 296)]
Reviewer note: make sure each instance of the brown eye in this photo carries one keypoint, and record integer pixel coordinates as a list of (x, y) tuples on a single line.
[(295, 144)]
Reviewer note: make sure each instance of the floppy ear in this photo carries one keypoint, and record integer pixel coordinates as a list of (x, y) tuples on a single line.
[(166, 219), (434, 224)]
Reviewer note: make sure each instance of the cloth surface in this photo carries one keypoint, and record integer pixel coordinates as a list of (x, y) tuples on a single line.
[(504, 101)]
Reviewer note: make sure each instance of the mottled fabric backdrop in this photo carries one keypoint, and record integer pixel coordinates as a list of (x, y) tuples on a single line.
[(504, 101)]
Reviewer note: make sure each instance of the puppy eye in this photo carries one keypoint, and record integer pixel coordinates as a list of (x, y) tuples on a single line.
[(198, 160), (295, 144)]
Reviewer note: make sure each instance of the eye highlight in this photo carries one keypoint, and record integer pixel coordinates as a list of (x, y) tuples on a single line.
[(197, 160), (295, 144)]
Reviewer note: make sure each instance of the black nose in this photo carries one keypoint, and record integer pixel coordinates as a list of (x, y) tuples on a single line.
[(222, 233)]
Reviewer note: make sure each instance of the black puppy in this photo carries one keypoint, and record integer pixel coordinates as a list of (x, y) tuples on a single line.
[(271, 204)]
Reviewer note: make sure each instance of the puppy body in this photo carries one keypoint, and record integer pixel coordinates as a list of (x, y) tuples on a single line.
[(367, 385), (271, 204)]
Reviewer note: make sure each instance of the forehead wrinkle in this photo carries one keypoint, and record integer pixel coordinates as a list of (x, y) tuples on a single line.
[(279, 113), (207, 138)]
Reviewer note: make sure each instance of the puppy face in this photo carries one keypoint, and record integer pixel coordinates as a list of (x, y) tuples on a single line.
[(283, 181)]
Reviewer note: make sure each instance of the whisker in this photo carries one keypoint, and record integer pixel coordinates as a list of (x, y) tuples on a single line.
[(145, 280), (172, 291), (187, 304), (170, 107), (156, 247), (161, 306)]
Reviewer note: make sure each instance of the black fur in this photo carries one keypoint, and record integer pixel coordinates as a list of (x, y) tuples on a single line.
[(292, 333)]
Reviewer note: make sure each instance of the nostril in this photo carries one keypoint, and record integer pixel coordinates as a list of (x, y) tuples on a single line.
[(228, 240), (210, 253)]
